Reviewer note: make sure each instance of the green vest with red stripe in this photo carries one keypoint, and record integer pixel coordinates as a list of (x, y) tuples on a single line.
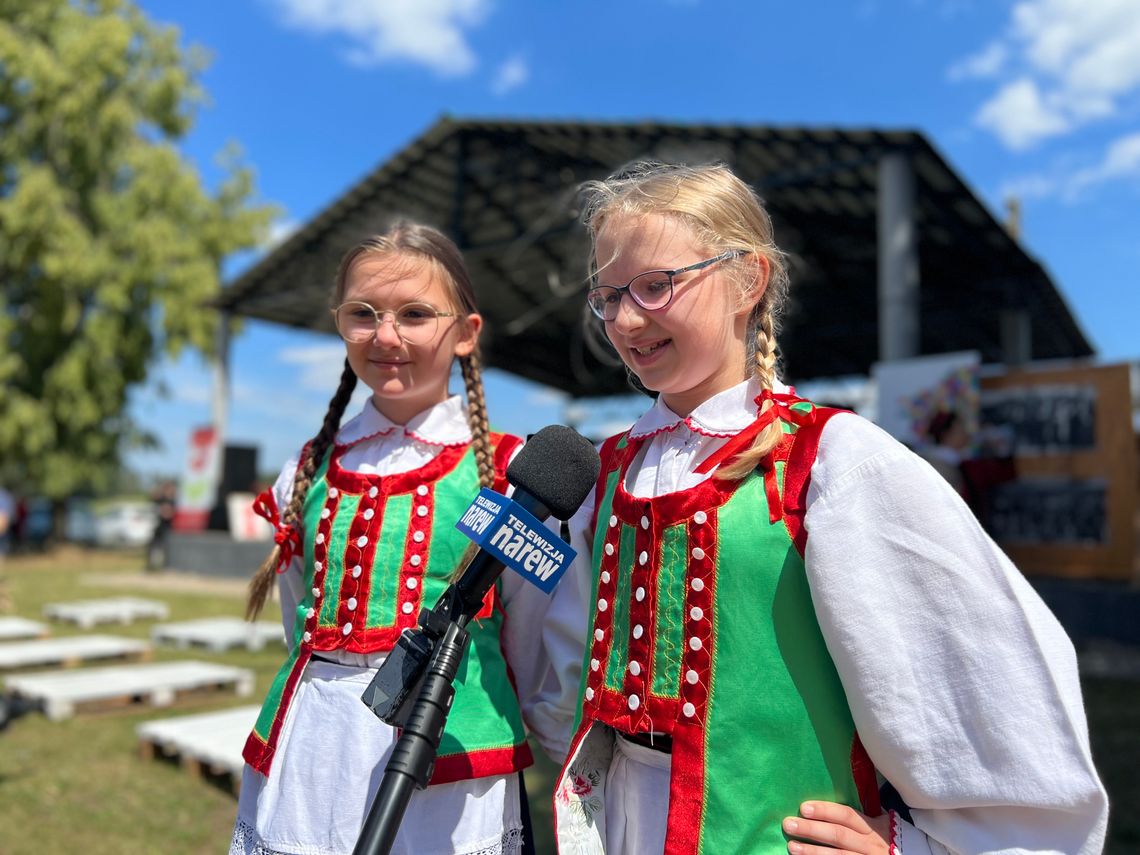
[(704, 629), (377, 549)]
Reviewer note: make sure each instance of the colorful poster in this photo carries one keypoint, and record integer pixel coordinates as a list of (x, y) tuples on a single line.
[(199, 485), (915, 395)]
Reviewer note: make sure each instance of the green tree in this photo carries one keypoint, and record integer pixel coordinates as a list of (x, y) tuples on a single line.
[(110, 244)]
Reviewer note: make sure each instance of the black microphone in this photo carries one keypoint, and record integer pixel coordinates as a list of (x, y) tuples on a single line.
[(552, 476)]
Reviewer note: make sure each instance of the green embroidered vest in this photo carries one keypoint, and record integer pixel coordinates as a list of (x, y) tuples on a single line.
[(704, 629), (377, 549)]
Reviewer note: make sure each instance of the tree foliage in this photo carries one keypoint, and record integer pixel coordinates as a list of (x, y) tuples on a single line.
[(110, 244)]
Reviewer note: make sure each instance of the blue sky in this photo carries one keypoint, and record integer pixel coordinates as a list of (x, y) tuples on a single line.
[(1038, 97)]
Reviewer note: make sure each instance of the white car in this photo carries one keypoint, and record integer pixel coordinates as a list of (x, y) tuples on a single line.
[(125, 524)]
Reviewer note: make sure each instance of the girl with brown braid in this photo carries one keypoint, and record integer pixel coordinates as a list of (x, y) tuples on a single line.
[(785, 602), (366, 536)]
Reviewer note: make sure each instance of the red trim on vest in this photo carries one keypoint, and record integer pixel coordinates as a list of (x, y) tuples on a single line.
[(866, 781), (400, 482), (687, 780), (481, 764), (606, 453), (505, 445), (797, 474), (258, 754)]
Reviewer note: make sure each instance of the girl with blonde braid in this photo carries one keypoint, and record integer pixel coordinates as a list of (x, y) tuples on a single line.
[(365, 522), (785, 605)]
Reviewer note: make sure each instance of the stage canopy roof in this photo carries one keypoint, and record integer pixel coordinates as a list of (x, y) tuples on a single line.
[(505, 191)]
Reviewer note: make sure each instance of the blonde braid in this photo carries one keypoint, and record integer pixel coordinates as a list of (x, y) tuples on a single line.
[(262, 581), (477, 418), (766, 358)]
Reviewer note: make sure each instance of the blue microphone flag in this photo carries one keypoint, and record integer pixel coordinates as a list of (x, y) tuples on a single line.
[(517, 538)]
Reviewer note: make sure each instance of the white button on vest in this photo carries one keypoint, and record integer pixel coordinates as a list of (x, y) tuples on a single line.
[(698, 553), (406, 608), (356, 571), (634, 702), (613, 520), (696, 613), (609, 549), (698, 584), (325, 513), (421, 490), (634, 668), (320, 538), (637, 631), (589, 694), (307, 637), (316, 592), (415, 560), (689, 710), (411, 583), (640, 594), (418, 537), (351, 604), (333, 492), (598, 634), (362, 541), (695, 643), (309, 614), (317, 565), (643, 558), (699, 517), (369, 514), (692, 676), (606, 576), (346, 629), (645, 522), (603, 605), (372, 493), (595, 664), (421, 511)]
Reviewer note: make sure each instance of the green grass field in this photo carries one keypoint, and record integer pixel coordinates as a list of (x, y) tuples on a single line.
[(80, 785)]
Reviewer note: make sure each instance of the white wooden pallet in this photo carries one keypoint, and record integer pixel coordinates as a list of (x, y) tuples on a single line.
[(209, 743), (159, 684), (15, 628), (219, 634), (87, 613), (69, 652)]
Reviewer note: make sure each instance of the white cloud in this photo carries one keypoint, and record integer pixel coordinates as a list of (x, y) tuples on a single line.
[(511, 74), (1019, 116), (427, 32), (986, 63), (317, 367), (1120, 163), (1067, 63)]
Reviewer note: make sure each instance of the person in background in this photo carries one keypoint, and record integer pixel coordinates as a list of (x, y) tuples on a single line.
[(165, 499), (7, 518)]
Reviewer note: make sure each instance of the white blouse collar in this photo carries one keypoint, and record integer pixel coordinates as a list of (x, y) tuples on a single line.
[(724, 414), (443, 424)]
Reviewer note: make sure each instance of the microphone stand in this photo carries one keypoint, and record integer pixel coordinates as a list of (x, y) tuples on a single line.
[(413, 690)]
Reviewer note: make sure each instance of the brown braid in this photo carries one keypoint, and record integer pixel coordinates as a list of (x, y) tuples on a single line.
[(262, 581), (480, 439), (477, 417)]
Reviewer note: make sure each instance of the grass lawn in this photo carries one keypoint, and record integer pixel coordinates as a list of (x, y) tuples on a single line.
[(80, 785)]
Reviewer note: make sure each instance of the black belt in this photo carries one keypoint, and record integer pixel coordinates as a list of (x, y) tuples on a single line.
[(662, 742)]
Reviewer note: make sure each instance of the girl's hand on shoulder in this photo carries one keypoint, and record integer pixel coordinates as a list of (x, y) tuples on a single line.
[(838, 828)]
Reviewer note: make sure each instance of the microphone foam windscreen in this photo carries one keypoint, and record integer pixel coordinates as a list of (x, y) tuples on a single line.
[(558, 466)]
